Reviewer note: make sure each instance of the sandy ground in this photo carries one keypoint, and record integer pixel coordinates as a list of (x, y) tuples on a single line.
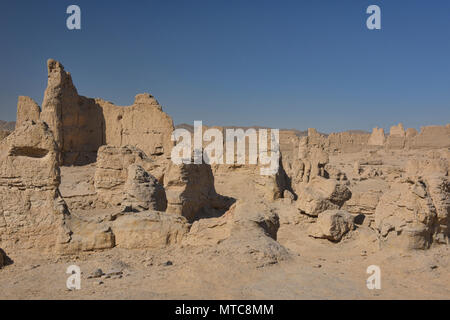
[(317, 270)]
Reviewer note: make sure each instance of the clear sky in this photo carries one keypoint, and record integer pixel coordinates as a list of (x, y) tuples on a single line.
[(283, 64)]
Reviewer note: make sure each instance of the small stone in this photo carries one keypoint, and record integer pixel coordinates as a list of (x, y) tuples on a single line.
[(433, 267), (96, 274)]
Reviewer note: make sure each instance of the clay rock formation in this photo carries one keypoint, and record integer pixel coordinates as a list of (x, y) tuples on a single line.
[(431, 137), (246, 233), (30, 216), (189, 189), (397, 137), (377, 138), (332, 225), (27, 110), (143, 230), (143, 192), (149, 229), (311, 182), (59, 111), (81, 125), (363, 201), (111, 172), (347, 142), (310, 163), (321, 194), (414, 213), (434, 174), (143, 125), (405, 216), (191, 192)]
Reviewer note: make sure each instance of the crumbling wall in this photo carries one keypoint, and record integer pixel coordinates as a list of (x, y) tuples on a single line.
[(31, 214), (81, 125)]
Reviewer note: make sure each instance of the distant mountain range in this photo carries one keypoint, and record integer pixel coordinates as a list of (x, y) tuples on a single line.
[(10, 125), (299, 133), (7, 126)]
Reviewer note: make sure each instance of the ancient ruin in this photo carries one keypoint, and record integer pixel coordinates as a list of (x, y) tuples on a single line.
[(82, 179)]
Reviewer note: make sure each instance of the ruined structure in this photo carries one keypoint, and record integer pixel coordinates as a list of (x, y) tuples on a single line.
[(136, 198), (81, 125)]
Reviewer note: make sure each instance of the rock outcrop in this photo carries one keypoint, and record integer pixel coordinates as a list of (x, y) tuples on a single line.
[(143, 230), (246, 233), (431, 137), (143, 192), (137, 198), (191, 192), (30, 216), (81, 125), (27, 110), (111, 173), (310, 163), (332, 225), (396, 138), (149, 229), (377, 138), (405, 216), (321, 194), (414, 213)]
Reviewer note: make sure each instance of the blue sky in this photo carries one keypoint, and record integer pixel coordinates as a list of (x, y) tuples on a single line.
[(283, 64)]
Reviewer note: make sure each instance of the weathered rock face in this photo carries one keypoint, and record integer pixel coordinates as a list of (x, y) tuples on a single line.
[(190, 189), (377, 138), (363, 202), (321, 194), (81, 125), (414, 213), (431, 137), (143, 230), (143, 125), (29, 179), (397, 137), (310, 179), (347, 142), (112, 171), (435, 175), (332, 225), (405, 216), (148, 230), (76, 122), (246, 233), (143, 192), (310, 163), (185, 190), (27, 110)]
